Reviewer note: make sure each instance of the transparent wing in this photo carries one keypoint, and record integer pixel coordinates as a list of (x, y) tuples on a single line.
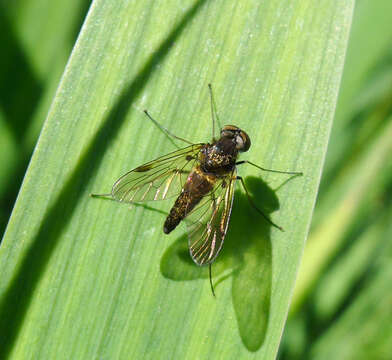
[(159, 179), (208, 222)]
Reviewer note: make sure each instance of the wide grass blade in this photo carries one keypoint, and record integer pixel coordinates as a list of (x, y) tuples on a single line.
[(86, 278)]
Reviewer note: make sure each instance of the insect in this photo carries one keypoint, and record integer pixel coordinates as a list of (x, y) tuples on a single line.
[(201, 178)]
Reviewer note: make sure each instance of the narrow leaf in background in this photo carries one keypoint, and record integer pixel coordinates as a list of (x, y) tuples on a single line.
[(37, 37)]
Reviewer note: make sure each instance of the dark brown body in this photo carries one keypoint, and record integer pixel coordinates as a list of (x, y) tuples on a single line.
[(215, 161)]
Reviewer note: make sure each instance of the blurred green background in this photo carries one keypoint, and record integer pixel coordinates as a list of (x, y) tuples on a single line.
[(37, 37), (342, 307)]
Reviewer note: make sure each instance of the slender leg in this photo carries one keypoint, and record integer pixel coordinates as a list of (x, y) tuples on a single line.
[(214, 112), (167, 132), (270, 170), (212, 286), (255, 207)]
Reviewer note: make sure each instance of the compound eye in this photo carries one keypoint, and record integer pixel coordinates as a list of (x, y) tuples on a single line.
[(243, 141), (239, 142)]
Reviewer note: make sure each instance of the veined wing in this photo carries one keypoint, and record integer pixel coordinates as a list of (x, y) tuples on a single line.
[(208, 222), (159, 179)]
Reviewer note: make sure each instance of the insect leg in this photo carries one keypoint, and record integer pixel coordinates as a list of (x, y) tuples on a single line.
[(255, 207), (214, 112), (212, 286), (270, 170), (167, 132)]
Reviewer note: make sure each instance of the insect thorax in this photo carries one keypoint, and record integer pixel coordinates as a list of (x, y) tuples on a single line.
[(219, 158)]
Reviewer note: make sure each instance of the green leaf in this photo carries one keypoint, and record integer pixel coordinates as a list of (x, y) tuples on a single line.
[(348, 270), (339, 308), (364, 54), (357, 167), (37, 38), (84, 278), (364, 329), (353, 188)]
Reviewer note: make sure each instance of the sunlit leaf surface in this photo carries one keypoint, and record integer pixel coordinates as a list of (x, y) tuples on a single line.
[(85, 278)]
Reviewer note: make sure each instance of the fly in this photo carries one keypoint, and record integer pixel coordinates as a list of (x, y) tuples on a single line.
[(201, 178)]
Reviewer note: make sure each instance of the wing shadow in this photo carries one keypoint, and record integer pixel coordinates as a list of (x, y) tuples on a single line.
[(246, 258)]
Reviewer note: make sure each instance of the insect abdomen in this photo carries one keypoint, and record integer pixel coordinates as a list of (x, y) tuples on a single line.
[(196, 186), (183, 205)]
